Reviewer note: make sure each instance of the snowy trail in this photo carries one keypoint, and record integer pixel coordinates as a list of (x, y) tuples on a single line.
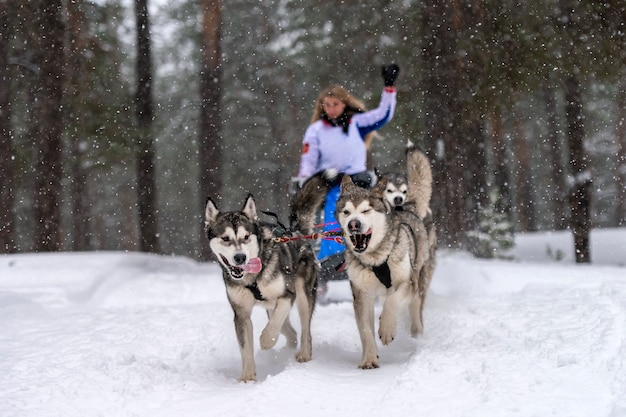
[(113, 334)]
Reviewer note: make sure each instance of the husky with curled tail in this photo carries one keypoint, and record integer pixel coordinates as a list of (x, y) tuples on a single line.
[(389, 253), (258, 270)]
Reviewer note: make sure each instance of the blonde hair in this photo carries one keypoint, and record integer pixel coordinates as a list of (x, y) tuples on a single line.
[(353, 106)]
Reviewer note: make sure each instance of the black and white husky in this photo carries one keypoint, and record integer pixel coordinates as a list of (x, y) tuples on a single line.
[(389, 253), (259, 270)]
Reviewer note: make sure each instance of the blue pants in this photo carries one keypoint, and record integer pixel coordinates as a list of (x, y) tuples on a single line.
[(330, 247)]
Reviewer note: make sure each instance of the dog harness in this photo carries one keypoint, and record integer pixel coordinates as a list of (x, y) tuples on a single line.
[(382, 271), (383, 274), (254, 289)]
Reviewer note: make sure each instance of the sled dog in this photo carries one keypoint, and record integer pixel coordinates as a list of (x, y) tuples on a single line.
[(396, 190), (259, 270), (389, 253), (308, 200)]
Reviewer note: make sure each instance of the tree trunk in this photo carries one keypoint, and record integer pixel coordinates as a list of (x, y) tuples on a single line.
[(76, 91), (620, 168), (526, 219), (443, 130), (146, 189), (7, 153), (500, 169), (476, 176), (580, 189), (557, 194), (210, 146), (48, 170)]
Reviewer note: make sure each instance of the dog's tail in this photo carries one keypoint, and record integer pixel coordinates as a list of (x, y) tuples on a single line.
[(420, 178)]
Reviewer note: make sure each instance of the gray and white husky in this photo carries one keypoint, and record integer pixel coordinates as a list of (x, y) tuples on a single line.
[(389, 253), (397, 188), (259, 270)]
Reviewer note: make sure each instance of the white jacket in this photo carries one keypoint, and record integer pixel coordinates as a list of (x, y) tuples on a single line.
[(328, 147)]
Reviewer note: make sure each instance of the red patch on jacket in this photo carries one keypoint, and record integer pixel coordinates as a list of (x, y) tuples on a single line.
[(305, 148)]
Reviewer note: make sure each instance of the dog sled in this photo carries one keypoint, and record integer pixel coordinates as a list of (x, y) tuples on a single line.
[(312, 213)]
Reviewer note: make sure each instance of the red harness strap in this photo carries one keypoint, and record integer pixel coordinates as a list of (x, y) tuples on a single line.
[(334, 235)]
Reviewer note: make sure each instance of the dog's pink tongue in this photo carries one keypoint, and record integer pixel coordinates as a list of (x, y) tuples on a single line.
[(253, 266)]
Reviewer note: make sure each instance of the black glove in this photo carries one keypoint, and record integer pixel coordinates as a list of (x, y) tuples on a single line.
[(390, 73)]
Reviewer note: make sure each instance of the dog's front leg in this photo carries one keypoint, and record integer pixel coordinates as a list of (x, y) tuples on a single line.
[(277, 317), (388, 327), (364, 313), (243, 328)]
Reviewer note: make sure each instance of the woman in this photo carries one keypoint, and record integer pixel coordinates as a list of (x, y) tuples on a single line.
[(337, 139)]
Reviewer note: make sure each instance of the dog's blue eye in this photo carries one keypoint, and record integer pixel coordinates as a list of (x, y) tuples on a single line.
[(225, 239)]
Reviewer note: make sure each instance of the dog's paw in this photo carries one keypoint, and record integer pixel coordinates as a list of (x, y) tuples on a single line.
[(303, 356), (268, 340), (387, 330), (248, 378), (386, 338), (369, 364)]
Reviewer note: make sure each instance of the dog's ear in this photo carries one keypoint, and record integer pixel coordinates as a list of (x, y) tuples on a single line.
[(210, 212), (380, 187), (378, 191), (346, 184), (249, 208)]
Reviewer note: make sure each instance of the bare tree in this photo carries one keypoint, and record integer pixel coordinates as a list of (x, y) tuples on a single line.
[(210, 146), (443, 130), (526, 220), (502, 182), (580, 186), (620, 140), (579, 191), (476, 176), (76, 91), (7, 153), (146, 187), (49, 95), (557, 200)]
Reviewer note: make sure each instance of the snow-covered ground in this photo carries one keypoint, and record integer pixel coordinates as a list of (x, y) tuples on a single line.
[(128, 334)]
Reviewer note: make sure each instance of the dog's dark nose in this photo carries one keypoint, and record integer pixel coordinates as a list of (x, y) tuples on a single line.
[(240, 259), (397, 201), (354, 226)]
